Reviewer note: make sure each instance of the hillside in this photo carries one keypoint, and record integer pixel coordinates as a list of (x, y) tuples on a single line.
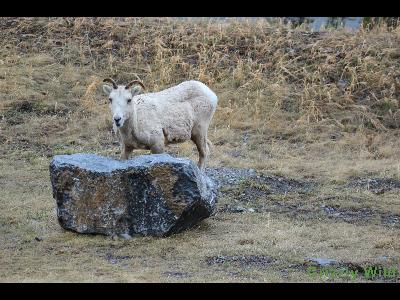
[(315, 115)]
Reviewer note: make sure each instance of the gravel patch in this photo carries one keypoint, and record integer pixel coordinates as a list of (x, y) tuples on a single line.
[(114, 259), (234, 183), (242, 261), (176, 274), (228, 177), (375, 185)]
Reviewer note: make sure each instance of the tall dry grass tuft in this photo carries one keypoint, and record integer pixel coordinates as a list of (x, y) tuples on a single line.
[(89, 99)]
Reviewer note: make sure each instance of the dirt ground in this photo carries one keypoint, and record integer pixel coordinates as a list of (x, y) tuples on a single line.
[(267, 228)]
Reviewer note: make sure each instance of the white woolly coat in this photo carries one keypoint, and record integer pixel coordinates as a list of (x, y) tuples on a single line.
[(169, 115)]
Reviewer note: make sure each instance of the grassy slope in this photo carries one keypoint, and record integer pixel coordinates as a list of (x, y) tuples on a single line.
[(322, 107)]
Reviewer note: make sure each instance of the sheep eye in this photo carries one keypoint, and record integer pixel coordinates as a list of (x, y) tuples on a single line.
[(129, 100), (109, 99)]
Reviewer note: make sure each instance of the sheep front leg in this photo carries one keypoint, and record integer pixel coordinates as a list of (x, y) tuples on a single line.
[(126, 151), (202, 158)]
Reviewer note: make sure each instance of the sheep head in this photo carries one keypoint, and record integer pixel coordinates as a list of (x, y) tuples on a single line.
[(120, 98)]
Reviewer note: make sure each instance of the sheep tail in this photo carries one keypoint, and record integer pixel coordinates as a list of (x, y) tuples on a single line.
[(209, 144)]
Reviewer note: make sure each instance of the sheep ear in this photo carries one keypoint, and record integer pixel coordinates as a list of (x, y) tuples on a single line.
[(136, 90), (107, 89)]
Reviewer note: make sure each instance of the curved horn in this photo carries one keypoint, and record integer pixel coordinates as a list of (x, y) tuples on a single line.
[(133, 82), (115, 86)]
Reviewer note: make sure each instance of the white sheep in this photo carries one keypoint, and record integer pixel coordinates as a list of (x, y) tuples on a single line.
[(153, 120)]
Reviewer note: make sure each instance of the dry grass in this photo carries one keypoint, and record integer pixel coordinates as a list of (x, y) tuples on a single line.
[(316, 106)]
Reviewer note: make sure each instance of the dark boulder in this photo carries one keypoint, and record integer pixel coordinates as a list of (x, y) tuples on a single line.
[(155, 195)]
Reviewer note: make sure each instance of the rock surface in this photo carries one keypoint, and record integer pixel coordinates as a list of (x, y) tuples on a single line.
[(155, 195)]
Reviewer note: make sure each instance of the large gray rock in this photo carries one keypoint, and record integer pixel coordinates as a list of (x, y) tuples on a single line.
[(153, 195)]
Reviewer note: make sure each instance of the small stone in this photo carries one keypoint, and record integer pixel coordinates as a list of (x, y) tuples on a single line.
[(238, 209), (176, 274), (382, 258), (322, 261), (125, 236), (236, 153), (251, 210)]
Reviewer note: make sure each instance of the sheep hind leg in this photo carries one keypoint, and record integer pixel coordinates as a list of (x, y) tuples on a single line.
[(157, 149), (202, 147)]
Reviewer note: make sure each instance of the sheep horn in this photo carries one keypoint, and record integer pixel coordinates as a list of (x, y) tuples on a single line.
[(133, 82), (115, 86)]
